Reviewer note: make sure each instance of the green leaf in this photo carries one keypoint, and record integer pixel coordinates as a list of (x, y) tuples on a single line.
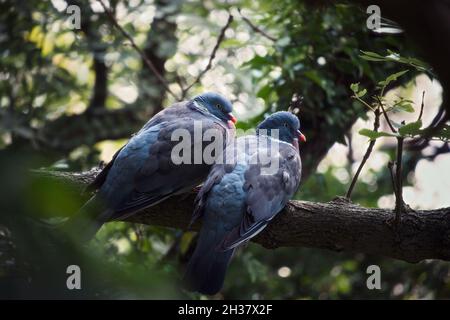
[(395, 57), (403, 105), (354, 87), (407, 107), (412, 128), (372, 56), (392, 77), (361, 93), (375, 134)]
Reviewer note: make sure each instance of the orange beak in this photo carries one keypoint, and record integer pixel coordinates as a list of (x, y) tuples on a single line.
[(301, 136), (232, 118)]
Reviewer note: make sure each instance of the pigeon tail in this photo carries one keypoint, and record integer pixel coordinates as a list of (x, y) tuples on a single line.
[(208, 265)]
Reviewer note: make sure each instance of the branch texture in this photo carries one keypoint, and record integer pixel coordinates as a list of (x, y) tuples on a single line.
[(338, 225)]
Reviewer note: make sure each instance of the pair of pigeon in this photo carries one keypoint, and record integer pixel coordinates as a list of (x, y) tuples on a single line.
[(239, 197)]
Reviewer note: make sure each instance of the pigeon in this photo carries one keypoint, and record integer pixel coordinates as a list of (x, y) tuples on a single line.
[(145, 171), (255, 179)]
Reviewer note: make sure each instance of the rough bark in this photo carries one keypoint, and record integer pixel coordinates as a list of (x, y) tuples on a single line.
[(338, 225)]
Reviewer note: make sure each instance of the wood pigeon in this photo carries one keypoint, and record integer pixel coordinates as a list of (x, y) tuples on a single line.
[(143, 173), (258, 176)]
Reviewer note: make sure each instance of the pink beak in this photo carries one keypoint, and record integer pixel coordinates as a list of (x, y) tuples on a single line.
[(301, 136)]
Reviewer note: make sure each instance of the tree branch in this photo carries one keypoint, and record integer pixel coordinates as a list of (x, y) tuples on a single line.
[(256, 28), (147, 62), (338, 225), (386, 116), (421, 106), (376, 124), (212, 56), (399, 204), (70, 131)]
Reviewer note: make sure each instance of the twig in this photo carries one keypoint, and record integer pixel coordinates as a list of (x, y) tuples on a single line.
[(376, 125), (211, 57), (350, 155), (256, 28), (421, 106), (399, 205), (147, 62), (386, 116), (363, 102), (391, 171)]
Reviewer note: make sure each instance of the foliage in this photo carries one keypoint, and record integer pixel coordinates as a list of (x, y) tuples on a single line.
[(404, 130)]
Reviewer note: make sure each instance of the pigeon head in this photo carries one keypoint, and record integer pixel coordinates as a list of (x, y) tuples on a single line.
[(286, 123), (216, 105)]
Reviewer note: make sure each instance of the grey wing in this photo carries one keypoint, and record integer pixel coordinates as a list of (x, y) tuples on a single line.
[(159, 177), (266, 195), (227, 163), (218, 171), (155, 121)]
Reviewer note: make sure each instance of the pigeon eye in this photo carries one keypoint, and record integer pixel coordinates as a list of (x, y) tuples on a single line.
[(285, 124)]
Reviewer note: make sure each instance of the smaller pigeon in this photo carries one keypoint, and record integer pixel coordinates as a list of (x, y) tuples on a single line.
[(257, 177), (143, 172)]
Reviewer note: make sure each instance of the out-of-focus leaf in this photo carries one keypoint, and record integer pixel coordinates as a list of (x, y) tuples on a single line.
[(412, 128), (444, 134), (392, 77), (402, 105), (395, 57), (372, 56), (361, 93), (355, 89), (375, 134)]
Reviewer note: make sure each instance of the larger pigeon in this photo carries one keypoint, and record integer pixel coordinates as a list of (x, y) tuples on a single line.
[(241, 195), (144, 172)]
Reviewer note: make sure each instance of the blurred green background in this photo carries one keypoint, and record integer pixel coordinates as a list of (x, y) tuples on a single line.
[(70, 98)]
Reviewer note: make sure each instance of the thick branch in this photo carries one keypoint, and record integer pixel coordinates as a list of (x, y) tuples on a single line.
[(338, 225), (68, 132)]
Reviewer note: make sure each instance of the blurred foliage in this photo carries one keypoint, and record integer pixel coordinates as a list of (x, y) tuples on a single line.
[(47, 76)]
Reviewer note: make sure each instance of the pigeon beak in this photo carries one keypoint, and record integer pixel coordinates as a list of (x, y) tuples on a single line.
[(232, 118), (301, 136)]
